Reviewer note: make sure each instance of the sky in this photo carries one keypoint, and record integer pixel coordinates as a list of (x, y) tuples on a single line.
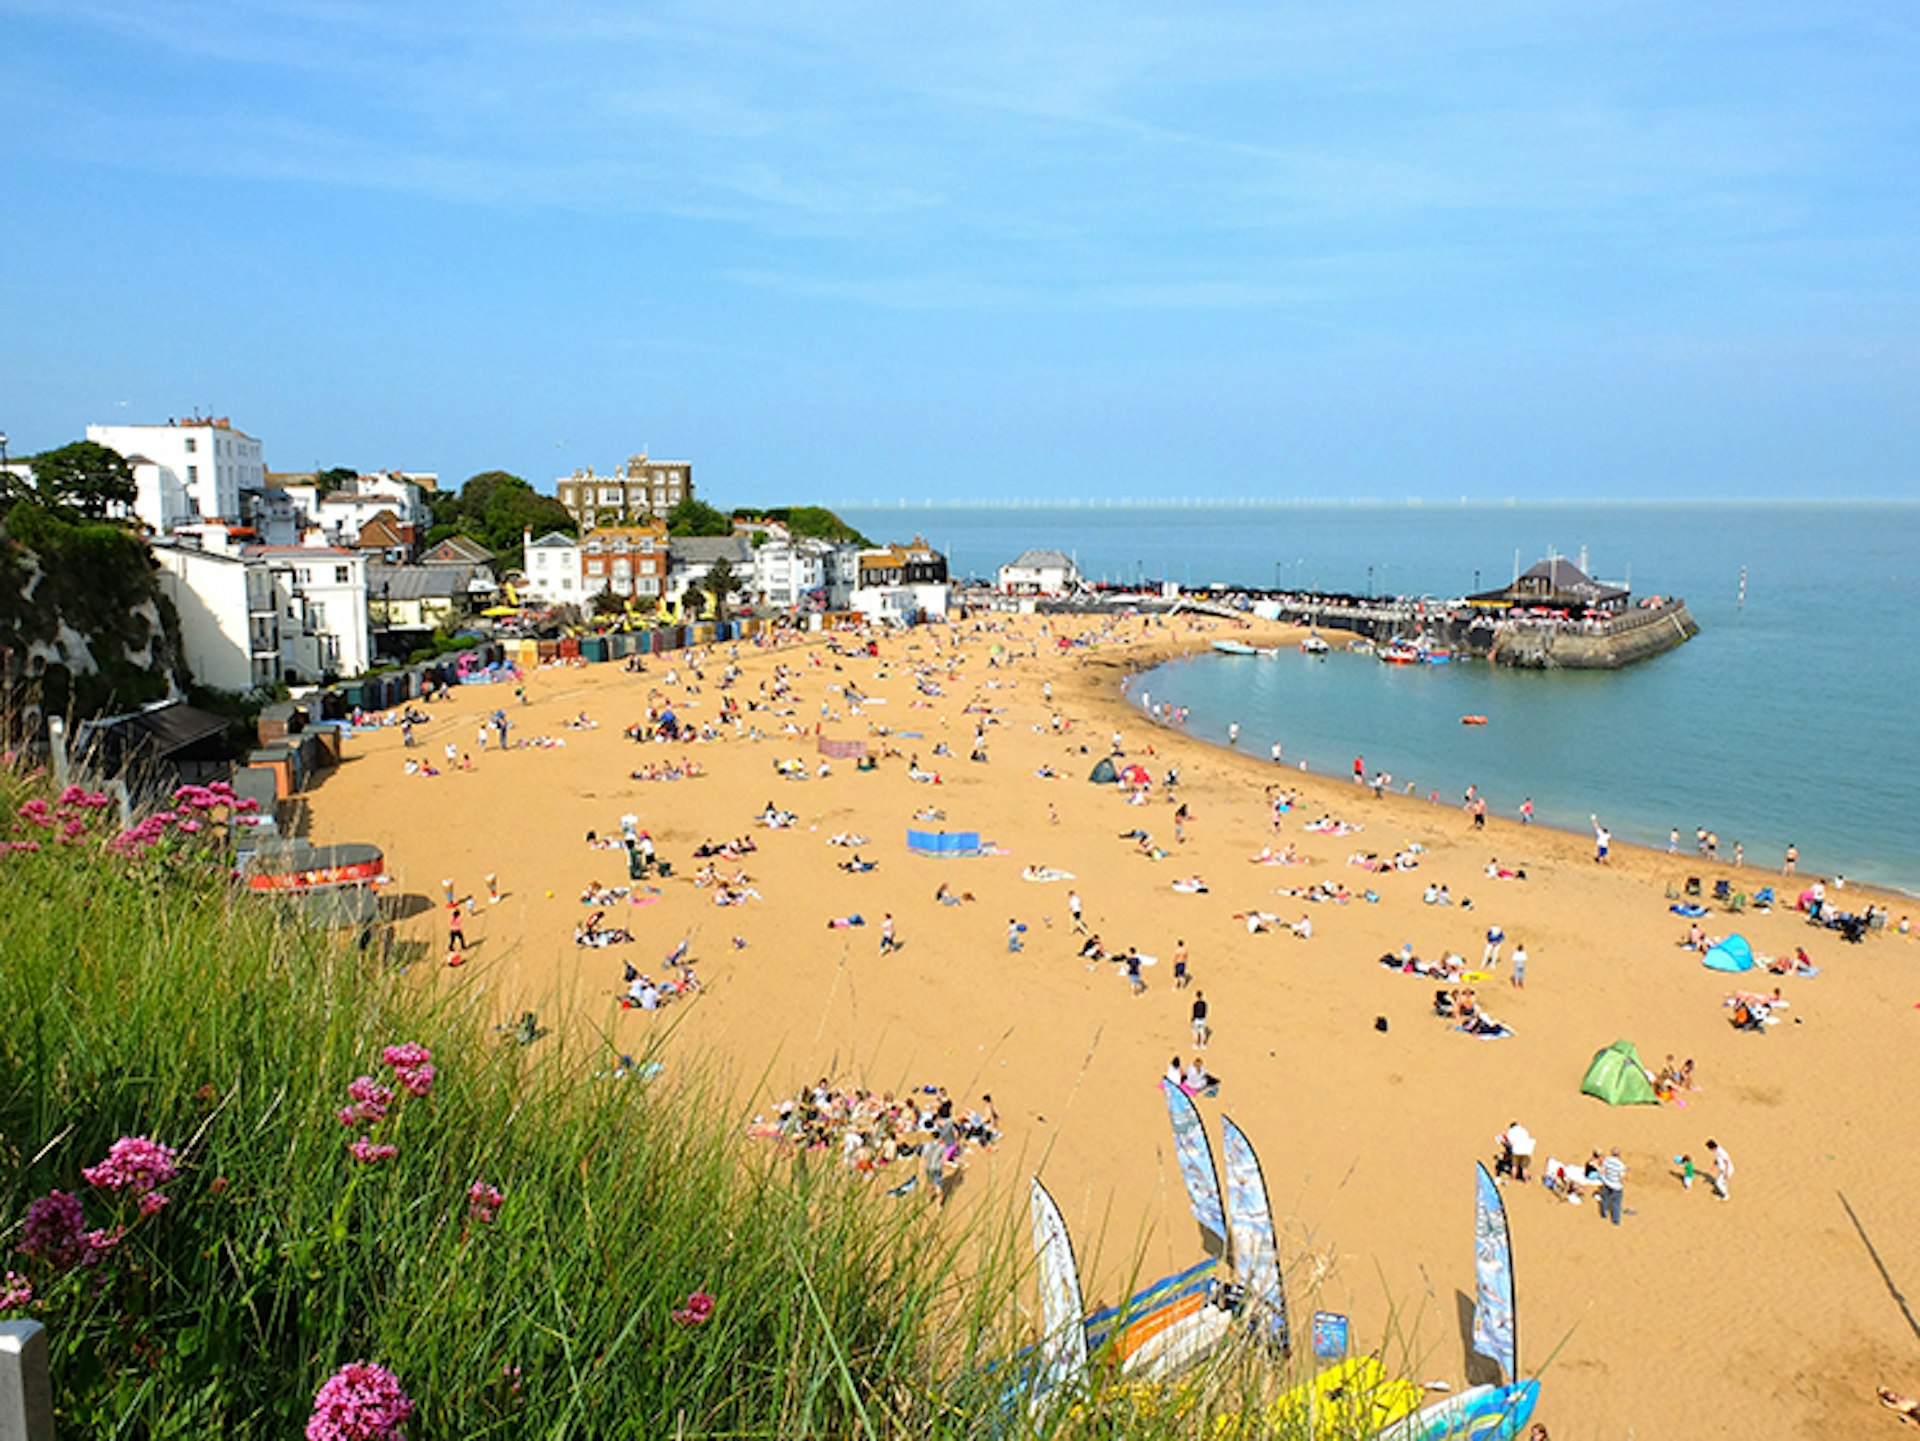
[(850, 252)]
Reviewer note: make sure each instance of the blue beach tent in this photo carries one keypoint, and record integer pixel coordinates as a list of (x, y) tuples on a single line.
[(1732, 954)]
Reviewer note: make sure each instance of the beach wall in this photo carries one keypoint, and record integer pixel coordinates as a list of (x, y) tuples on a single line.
[(1633, 637)]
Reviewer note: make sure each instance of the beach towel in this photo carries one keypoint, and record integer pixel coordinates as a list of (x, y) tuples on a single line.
[(1689, 911)]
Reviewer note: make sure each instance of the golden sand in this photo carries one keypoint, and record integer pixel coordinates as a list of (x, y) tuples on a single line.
[(1765, 1315)]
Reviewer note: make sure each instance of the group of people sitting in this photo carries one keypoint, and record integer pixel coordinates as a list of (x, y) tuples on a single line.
[(1753, 1011), (1448, 968), (686, 769), (1461, 1005), (724, 850), (1328, 890), (1285, 856), (872, 1130)]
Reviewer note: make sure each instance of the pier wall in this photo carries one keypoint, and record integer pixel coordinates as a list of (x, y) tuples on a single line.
[(1633, 637)]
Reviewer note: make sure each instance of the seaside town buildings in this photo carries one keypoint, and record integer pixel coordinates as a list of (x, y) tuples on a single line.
[(253, 615), (1038, 572), (552, 570), (632, 561), (638, 490), (186, 470)]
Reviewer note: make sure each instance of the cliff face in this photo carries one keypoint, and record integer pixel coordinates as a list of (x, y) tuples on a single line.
[(1633, 638), (83, 625)]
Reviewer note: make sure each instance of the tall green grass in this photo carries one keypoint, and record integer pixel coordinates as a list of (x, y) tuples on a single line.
[(154, 997)]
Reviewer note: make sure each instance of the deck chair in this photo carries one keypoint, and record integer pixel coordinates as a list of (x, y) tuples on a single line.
[(1739, 901), (1763, 898), (1693, 885), (1722, 891)]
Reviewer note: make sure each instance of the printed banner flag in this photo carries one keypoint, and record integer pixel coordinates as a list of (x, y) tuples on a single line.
[(1256, 1250), (1063, 1350), (1195, 1155), (1493, 1322)]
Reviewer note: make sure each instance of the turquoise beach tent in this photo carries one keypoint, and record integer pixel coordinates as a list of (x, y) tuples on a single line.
[(1617, 1077), (1732, 954), (1104, 773)]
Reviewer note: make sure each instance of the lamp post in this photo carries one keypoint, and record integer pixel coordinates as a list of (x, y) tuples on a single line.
[(1369, 582)]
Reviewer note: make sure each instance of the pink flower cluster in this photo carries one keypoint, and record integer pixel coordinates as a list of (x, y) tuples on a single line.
[(370, 1102), (67, 817), (16, 1292), (137, 1165), (412, 1065), (360, 1402), (484, 1202), (697, 1311), (192, 807), (371, 1153)]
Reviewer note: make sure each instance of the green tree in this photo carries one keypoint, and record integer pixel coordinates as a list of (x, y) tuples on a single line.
[(693, 600), (605, 602), (325, 482), (696, 517), (720, 585), (85, 476)]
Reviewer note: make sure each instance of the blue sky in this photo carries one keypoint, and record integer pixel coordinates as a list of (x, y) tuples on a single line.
[(850, 252)]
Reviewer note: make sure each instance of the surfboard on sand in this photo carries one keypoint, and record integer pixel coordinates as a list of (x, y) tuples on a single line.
[(1484, 1413)]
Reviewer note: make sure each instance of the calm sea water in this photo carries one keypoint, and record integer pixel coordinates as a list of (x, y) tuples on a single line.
[(1790, 719)]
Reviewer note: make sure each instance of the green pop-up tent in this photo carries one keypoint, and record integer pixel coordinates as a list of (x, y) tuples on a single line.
[(1617, 1077), (1104, 773)]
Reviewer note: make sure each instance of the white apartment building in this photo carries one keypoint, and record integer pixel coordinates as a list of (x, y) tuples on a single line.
[(254, 615), (186, 470), (553, 570), (792, 574), (1039, 572)]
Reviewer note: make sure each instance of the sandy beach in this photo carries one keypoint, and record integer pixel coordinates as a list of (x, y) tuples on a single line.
[(1772, 1313)]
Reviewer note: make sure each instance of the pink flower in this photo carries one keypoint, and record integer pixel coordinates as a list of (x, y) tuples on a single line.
[(483, 1202), (697, 1311), (134, 1164), (417, 1079), (411, 1068), (152, 1203), (54, 1230), (16, 1294), (100, 1242), (360, 1402), (370, 1102), (369, 1154)]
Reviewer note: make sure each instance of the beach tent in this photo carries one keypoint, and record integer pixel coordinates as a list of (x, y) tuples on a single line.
[(1104, 773), (944, 843), (1136, 775), (1732, 954), (1617, 1077)]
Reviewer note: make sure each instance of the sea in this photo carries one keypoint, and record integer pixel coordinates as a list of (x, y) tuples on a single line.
[(1789, 720)]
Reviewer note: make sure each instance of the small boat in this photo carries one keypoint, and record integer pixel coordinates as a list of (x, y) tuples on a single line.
[(1235, 647), (1360, 647), (1314, 645), (1437, 657), (1473, 720), (1400, 654)]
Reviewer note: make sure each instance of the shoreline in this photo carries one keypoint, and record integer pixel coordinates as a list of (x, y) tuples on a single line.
[(1879, 892)]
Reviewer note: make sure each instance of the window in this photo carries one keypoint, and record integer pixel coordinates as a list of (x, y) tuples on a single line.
[(342, 574), (303, 575), (566, 585), (192, 445), (193, 474)]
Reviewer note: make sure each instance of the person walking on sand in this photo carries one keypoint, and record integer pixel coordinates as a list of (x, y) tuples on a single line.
[(1359, 770), (1602, 841), (1134, 979), (456, 932), (1722, 1168), (1490, 957), (1180, 976), (493, 889), (1014, 930), (1792, 862), (1526, 811), (1201, 1031), (1518, 980), (1073, 909), (1613, 1185), (887, 943)]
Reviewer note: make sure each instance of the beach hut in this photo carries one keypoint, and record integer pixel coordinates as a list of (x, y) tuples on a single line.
[(1617, 1077), (1732, 954), (1104, 774)]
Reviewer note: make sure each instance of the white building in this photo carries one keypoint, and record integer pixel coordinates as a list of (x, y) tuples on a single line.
[(254, 615), (229, 616), (553, 570), (792, 575), (187, 469), (905, 604), (1039, 572), (690, 558)]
